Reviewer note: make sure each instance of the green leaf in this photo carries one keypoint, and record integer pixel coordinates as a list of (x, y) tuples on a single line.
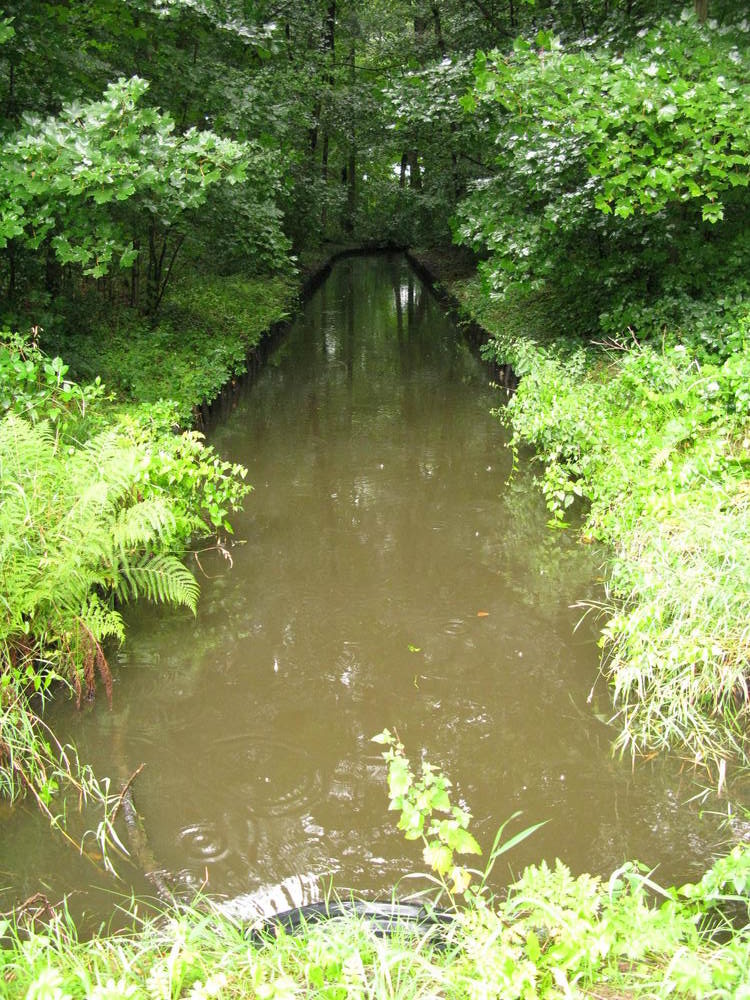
[(464, 843), (438, 857), (667, 113), (399, 777)]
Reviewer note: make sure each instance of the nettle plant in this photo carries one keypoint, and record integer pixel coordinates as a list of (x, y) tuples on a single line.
[(428, 814)]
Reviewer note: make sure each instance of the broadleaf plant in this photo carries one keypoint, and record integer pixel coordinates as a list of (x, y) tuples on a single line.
[(429, 814)]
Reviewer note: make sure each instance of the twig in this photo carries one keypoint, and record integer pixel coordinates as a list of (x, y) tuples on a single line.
[(124, 791)]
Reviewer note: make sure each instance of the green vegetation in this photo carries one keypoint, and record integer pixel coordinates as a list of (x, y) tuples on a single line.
[(658, 445), (97, 508), (206, 331), (614, 284), (552, 935), (147, 251), (161, 161)]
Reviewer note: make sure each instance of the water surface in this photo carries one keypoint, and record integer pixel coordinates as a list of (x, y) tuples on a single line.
[(387, 571)]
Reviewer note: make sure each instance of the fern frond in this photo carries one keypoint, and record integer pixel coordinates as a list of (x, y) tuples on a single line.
[(102, 622), (160, 578), (143, 523)]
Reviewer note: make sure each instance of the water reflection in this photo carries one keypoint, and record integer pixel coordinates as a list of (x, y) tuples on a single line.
[(387, 574)]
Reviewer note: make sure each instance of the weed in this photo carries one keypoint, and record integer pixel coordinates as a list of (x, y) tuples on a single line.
[(552, 936), (655, 439)]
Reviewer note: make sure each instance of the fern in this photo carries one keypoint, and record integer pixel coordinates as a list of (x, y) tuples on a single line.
[(82, 525), (161, 578), (101, 621), (73, 523)]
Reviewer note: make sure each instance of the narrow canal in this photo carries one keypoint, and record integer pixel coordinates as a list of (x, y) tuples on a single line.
[(387, 571)]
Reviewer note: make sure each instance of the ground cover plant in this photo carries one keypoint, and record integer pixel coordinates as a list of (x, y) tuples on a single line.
[(207, 328), (552, 935)]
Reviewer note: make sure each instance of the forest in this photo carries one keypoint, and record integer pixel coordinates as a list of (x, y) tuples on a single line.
[(574, 176)]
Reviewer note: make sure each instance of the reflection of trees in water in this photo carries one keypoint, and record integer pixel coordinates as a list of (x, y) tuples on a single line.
[(544, 566)]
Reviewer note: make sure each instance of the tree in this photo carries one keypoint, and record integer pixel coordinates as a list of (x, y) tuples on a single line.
[(89, 181), (612, 160)]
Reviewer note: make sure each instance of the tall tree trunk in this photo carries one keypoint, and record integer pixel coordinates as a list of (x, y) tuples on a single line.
[(159, 267), (351, 188), (329, 43), (439, 40), (351, 164), (52, 270), (153, 272), (186, 99), (443, 51), (135, 274), (313, 130), (701, 10), (11, 109), (331, 29)]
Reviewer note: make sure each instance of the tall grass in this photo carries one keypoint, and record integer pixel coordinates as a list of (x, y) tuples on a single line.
[(657, 443), (554, 936), (679, 638)]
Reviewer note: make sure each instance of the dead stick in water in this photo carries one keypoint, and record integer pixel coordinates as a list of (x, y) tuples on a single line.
[(125, 790), (141, 849), (137, 838)]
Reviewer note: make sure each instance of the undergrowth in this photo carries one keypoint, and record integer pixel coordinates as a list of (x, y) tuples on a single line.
[(97, 507), (655, 438), (207, 327), (100, 498), (551, 936)]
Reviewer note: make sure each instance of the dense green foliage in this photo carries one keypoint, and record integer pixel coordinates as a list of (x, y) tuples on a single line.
[(114, 187), (617, 218), (658, 446), (207, 328), (628, 194), (161, 160), (96, 509)]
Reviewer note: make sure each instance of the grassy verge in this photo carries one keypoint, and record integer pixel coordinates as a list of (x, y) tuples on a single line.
[(655, 439), (553, 936), (207, 328)]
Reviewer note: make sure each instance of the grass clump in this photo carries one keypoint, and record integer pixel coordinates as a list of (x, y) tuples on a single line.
[(655, 437), (555, 936)]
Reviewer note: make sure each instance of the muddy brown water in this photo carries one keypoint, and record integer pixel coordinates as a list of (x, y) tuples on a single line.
[(387, 571)]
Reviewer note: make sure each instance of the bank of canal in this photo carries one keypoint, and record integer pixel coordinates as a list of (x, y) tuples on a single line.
[(386, 571)]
